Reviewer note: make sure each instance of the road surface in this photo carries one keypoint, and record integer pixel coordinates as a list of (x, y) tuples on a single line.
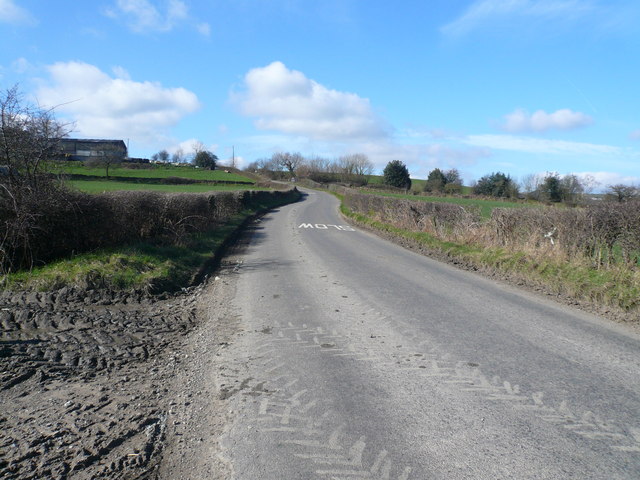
[(358, 359)]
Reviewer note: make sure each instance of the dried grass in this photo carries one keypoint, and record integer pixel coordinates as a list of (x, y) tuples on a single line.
[(603, 235)]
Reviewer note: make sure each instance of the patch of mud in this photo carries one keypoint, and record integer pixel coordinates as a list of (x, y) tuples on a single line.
[(106, 385), (199, 414), (84, 381)]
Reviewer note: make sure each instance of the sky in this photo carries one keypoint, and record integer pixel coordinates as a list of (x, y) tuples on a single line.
[(517, 86)]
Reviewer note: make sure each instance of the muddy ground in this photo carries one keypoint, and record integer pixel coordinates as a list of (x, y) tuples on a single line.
[(88, 381)]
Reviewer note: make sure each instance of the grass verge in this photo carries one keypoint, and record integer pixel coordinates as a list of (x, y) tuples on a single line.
[(149, 266), (616, 287)]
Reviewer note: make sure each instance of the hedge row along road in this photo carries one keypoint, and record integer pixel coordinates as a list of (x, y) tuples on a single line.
[(354, 358)]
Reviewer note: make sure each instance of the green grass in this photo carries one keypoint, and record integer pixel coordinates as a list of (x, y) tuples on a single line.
[(486, 206), (151, 265), (147, 265), (416, 183), (100, 186), (618, 287), (155, 171)]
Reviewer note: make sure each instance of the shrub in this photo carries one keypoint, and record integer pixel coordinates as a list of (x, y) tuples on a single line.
[(606, 234), (397, 175), (436, 181), (496, 185), (443, 219), (77, 222), (205, 159)]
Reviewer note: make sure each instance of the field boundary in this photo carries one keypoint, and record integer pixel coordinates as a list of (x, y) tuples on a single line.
[(174, 180), (153, 264), (450, 253)]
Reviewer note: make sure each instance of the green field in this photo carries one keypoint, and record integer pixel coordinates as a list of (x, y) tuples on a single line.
[(154, 171), (417, 184), (486, 206), (100, 186)]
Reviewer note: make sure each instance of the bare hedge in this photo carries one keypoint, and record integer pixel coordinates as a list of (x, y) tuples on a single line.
[(605, 234), (61, 224), (442, 219)]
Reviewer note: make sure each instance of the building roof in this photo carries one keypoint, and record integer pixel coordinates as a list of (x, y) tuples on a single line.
[(91, 140)]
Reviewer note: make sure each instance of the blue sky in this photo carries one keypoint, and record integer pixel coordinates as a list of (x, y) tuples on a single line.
[(518, 86)]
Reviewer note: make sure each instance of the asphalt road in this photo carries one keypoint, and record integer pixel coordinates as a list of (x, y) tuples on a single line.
[(359, 359)]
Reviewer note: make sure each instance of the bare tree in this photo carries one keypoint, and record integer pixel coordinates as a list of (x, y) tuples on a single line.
[(572, 189), (622, 193), (163, 156), (108, 157), (289, 161), (29, 143), (589, 183), (29, 137), (530, 185), (354, 168), (198, 146), (319, 164), (358, 164), (178, 156)]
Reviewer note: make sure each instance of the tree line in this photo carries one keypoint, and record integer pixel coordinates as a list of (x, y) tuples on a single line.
[(550, 187), (200, 156), (355, 169)]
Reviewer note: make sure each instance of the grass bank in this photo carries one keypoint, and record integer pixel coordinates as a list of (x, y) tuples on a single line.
[(151, 171), (150, 266), (614, 290), (486, 206), (101, 186)]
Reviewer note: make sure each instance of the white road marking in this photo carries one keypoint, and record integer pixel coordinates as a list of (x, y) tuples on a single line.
[(327, 226)]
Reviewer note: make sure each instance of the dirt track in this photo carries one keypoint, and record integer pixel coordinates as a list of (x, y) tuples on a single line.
[(86, 381)]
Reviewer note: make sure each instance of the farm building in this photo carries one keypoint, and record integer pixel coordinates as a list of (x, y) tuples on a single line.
[(84, 149)]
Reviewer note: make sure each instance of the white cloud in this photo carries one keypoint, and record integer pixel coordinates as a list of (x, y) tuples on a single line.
[(539, 145), (287, 101), (15, 15), (204, 29), (102, 106), (447, 156), (142, 16), (541, 121), (121, 72), (484, 12), (609, 178), (419, 132), (188, 146), (21, 65)]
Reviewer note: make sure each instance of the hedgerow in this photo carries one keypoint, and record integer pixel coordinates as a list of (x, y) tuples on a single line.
[(70, 223)]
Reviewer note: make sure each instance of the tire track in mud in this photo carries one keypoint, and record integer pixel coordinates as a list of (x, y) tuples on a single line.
[(82, 381)]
